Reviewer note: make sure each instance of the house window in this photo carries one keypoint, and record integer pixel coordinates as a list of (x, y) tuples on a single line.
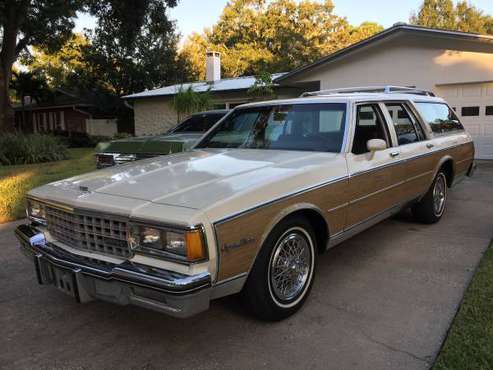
[(219, 106), (489, 110), (470, 111), (62, 120)]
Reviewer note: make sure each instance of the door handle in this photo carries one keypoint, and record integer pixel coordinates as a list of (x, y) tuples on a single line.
[(429, 145), (394, 154)]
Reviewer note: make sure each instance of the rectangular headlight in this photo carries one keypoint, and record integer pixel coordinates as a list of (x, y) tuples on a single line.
[(36, 211), (185, 245)]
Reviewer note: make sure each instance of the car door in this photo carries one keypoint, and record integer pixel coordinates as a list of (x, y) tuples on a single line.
[(414, 148), (374, 177)]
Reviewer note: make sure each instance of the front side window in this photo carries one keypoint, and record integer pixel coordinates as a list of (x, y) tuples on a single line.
[(308, 127), (439, 116), (403, 124), (369, 125)]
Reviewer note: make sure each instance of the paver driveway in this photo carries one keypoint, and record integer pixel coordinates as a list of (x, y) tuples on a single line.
[(382, 300)]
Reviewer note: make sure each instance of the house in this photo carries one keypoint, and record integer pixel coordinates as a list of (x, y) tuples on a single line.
[(154, 112), (455, 65), (64, 113)]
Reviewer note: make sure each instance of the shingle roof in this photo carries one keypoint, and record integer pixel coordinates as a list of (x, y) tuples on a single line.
[(226, 84), (397, 28)]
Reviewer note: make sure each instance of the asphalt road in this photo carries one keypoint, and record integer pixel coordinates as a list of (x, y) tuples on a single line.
[(383, 300)]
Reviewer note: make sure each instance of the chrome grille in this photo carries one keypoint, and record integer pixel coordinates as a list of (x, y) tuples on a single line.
[(88, 232)]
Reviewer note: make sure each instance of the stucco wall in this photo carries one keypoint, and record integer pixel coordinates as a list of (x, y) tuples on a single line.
[(407, 60), (153, 116)]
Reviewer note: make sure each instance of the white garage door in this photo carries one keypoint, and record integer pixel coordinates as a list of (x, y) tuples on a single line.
[(474, 106)]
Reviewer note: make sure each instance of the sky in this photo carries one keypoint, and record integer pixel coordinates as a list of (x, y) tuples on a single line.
[(195, 15)]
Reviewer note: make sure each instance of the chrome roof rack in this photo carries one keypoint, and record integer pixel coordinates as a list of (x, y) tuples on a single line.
[(370, 89)]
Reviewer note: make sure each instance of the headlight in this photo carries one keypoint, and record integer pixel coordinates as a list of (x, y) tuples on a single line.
[(36, 211), (185, 245)]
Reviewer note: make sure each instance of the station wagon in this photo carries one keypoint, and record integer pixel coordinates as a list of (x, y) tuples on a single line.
[(251, 207)]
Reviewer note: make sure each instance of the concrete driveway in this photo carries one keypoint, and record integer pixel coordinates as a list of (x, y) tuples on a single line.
[(383, 300)]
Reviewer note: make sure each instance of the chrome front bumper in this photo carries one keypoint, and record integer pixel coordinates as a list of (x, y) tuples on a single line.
[(127, 283)]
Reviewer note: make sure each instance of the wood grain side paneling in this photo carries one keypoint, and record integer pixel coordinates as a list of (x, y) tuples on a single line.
[(253, 226), (373, 192)]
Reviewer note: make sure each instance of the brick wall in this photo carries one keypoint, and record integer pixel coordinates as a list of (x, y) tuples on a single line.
[(154, 116)]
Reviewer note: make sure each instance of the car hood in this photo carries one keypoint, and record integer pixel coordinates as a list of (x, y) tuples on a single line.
[(160, 144), (200, 178)]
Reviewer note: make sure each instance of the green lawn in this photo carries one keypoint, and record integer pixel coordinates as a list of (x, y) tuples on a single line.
[(15, 181), (470, 341)]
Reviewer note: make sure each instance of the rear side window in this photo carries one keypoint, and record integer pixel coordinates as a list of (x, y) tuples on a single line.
[(403, 124), (440, 117)]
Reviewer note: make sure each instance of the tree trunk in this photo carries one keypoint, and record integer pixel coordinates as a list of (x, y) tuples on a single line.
[(14, 15), (7, 114)]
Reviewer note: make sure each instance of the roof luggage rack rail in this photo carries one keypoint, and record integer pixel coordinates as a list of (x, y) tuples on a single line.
[(370, 89)]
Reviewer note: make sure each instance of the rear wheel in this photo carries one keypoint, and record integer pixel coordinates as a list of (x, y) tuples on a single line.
[(432, 206), (282, 275)]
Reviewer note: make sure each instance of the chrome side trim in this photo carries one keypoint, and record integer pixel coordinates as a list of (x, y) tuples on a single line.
[(400, 161), (298, 192), (365, 224), (229, 286), (377, 192)]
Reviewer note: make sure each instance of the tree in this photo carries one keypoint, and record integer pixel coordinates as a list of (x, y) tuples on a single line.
[(23, 23), (133, 46), (63, 67), (272, 36), (444, 14)]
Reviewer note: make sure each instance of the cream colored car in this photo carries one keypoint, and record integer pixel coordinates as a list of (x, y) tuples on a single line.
[(251, 207)]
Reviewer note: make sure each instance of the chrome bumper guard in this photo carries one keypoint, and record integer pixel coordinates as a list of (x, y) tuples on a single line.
[(127, 283)]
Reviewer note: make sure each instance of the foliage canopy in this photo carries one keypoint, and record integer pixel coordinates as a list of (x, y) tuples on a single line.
[(461, 16), (272, 36)]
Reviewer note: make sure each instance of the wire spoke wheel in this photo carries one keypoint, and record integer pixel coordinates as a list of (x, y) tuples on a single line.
[(290, 266), (439, 194)]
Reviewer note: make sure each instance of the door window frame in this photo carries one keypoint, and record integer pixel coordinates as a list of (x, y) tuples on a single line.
[(391, 137), (415, 121)]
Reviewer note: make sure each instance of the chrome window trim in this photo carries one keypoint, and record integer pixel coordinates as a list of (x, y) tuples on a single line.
[(269, 104), (352, 123), (439, 134)]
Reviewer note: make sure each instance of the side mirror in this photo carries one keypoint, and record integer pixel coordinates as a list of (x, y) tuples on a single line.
[(374, 145)]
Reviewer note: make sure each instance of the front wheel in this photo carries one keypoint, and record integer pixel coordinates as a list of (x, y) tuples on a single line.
[(431, 207), (282, 275)]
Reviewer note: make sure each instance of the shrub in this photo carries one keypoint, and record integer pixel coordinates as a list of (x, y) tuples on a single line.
[(80, 139), (33, 148)]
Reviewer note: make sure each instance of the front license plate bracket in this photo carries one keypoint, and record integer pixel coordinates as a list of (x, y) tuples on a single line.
[(63, 279)]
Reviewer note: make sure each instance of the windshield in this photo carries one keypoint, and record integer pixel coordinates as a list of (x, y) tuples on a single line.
[(198, 122), (311, 127)]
